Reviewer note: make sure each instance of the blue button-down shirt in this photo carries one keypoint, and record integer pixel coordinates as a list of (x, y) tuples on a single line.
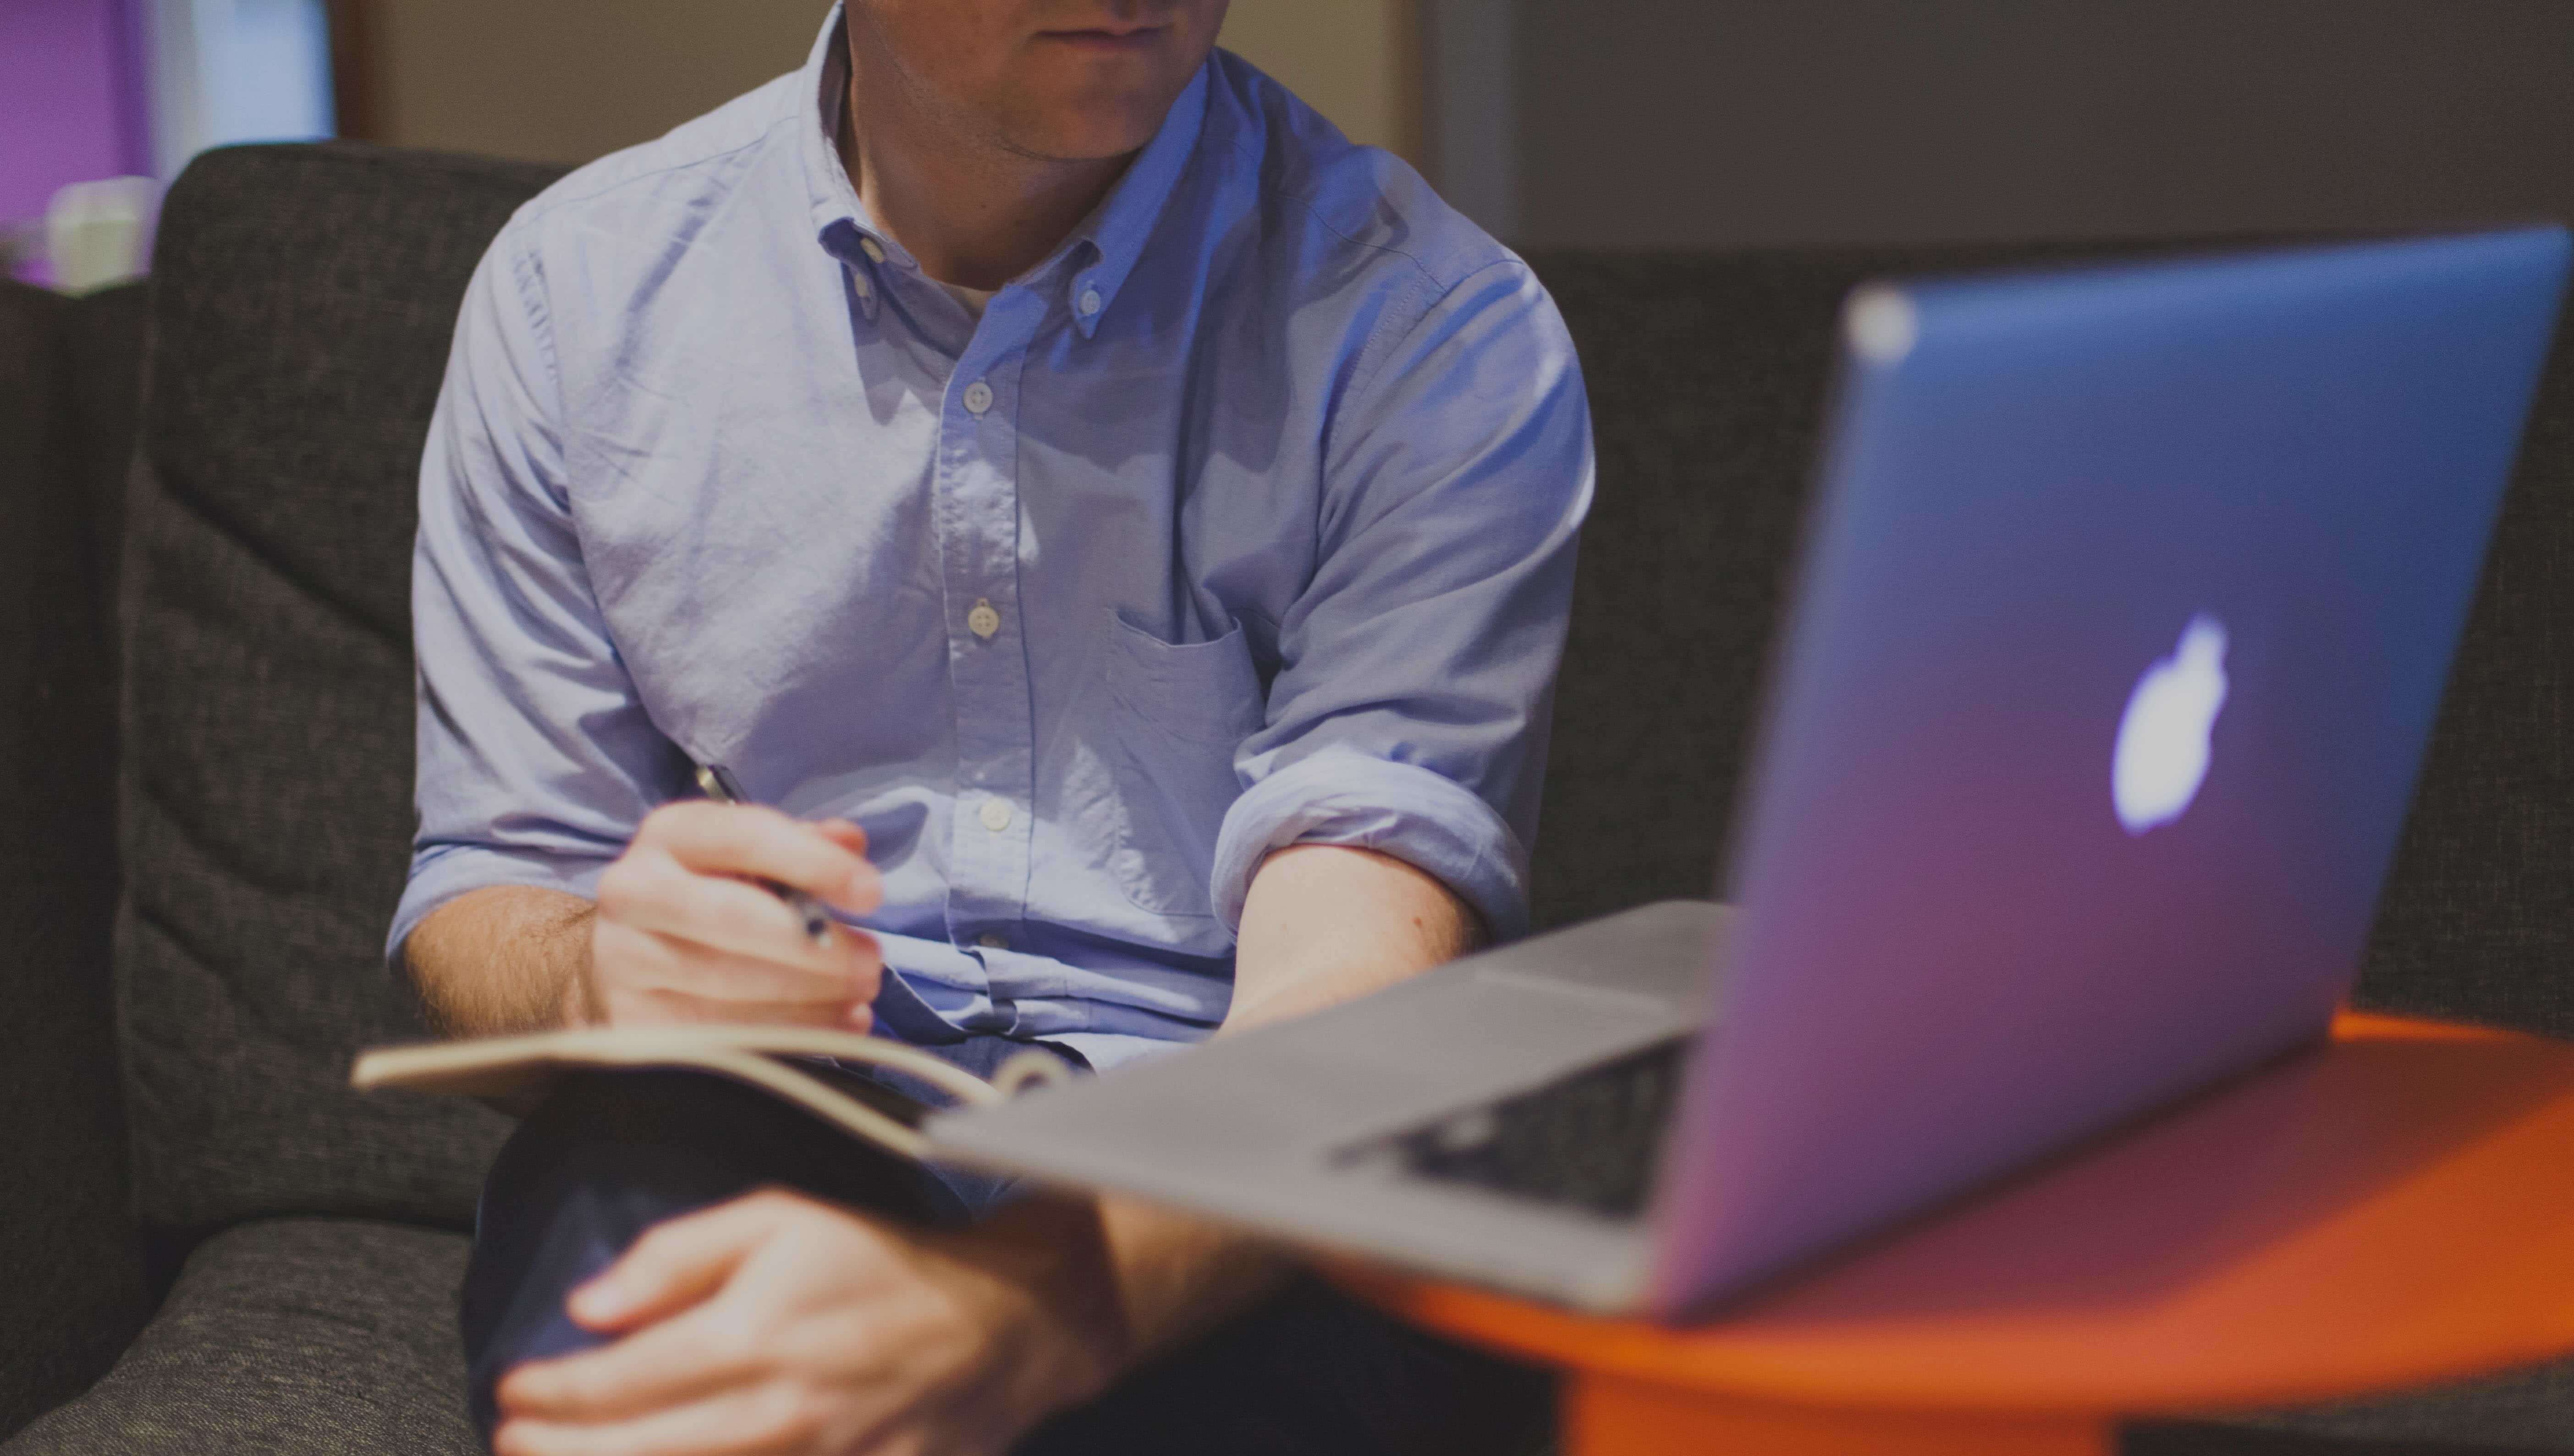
[(1245, 519)]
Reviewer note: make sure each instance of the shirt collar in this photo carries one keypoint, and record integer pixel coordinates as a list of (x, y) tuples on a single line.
[(1112, 238), (1119, 228), (841, 222)]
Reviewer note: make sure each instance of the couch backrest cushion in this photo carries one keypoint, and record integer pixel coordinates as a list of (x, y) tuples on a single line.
[(302, 299), (1706, 377)]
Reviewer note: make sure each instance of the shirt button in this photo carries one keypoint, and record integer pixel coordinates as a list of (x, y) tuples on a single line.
[(1089, 302), (860, 282), (984, 619), (993, 940), (995, 814), (875, 253), (978, 397)]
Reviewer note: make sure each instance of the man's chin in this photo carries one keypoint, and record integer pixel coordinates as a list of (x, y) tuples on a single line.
[(1083, 108), (1087, 133)]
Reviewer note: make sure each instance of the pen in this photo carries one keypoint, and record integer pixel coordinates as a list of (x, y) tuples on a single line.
[(718, 784)]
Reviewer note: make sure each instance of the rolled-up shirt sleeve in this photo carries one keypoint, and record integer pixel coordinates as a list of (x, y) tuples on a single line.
[(537, 761), (1408, 714)]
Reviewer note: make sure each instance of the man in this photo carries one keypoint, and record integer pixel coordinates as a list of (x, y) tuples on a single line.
[(1126, 531)]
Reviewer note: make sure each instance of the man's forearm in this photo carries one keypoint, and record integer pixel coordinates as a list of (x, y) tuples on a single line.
[(505, 958), (1323, 924)]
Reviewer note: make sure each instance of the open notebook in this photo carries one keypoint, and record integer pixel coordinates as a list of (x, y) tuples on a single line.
[(775, 1060)]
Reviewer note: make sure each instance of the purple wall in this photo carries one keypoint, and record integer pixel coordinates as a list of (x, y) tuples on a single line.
[(71, 99)]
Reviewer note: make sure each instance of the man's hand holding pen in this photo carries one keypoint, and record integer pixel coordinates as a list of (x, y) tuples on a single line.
[(685, 930)]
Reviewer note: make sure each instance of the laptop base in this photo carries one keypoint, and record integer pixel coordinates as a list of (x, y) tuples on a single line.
[(1256, 1129)]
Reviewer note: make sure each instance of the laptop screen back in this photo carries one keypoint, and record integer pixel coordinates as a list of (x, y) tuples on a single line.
[(2127, 605)]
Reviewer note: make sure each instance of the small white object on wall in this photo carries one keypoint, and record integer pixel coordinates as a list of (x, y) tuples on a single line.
[(100, 233)]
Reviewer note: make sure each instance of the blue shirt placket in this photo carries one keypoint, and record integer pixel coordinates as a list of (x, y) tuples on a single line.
[(991, 822)]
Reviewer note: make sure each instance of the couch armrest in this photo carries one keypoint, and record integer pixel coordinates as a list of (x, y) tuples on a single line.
[(69, 1255)]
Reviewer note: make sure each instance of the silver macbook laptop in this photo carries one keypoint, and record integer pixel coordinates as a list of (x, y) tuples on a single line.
[(2124, 615)]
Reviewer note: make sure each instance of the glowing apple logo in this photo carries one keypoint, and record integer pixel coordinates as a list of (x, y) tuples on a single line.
[(2161, 755)]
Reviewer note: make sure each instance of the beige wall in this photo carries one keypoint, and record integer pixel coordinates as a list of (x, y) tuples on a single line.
[(1352, 60), (566, 80)]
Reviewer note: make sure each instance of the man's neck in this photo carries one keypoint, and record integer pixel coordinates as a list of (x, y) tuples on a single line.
[(969, 209)]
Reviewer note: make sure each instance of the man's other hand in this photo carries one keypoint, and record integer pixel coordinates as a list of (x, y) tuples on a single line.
[(684, 933), (776, 1323)]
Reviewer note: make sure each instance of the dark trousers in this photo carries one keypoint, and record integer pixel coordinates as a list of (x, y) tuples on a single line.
[(1309, 1373)]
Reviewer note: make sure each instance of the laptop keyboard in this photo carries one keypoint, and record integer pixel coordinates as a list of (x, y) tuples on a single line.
[(1588, 1139)]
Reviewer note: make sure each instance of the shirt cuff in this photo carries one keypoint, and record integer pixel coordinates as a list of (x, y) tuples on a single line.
[(1341, 796), (449, 871)]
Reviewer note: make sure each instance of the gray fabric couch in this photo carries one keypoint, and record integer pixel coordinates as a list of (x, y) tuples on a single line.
[(207, 1244), (71, 1272)]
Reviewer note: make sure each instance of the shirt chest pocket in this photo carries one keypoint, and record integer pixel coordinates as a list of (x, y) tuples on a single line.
[(1172, 716)]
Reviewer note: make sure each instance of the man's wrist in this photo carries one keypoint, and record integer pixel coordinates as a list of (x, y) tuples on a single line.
[(1071, 1338)]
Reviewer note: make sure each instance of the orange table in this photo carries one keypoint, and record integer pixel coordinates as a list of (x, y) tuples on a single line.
[(2392, 1208)]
